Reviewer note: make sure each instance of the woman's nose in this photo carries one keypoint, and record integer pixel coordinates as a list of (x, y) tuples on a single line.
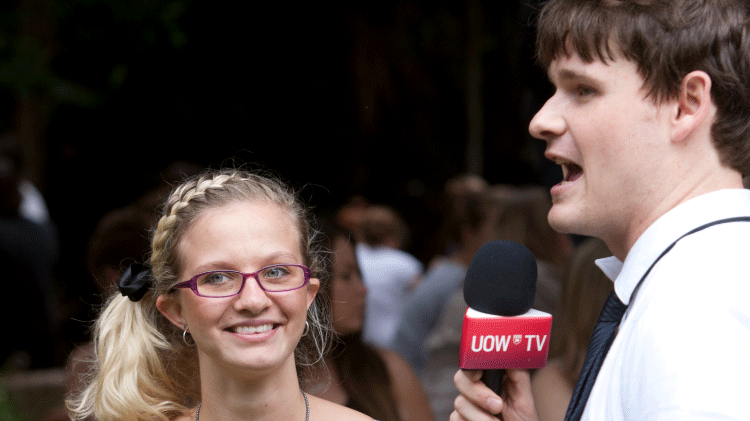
[(252, 297)]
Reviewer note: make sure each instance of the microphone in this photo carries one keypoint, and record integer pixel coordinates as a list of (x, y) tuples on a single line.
[(500, 328)]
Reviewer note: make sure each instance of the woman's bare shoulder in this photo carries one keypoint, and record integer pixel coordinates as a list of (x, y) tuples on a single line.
[(328, 411)]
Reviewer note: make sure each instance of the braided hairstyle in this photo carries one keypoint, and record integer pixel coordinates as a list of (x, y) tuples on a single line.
[(143, 369)]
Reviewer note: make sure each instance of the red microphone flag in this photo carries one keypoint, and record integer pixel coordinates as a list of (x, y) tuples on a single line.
[(496, 342)]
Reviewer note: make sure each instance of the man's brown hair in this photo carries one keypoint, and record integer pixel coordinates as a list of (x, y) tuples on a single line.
[(666, 39)]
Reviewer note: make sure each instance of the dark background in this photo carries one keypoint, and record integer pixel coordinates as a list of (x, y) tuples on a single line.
[(385, 99)]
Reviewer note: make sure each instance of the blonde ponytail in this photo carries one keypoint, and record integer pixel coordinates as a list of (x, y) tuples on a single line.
[(134, 375)]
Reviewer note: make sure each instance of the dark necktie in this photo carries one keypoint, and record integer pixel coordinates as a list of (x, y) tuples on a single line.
[(601, 340)]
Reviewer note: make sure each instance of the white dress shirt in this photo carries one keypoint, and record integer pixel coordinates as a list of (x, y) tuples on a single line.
[(683, 347)]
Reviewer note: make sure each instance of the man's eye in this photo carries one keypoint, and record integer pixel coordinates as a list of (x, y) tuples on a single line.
[(583, 91)]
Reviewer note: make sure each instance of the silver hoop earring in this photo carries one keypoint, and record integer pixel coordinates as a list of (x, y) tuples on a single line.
[(307, 328), (184, 338)]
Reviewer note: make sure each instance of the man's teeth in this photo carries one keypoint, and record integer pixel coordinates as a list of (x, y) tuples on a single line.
[(253, 329), (570, 171)]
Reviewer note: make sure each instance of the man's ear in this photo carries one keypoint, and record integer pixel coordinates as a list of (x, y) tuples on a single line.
[(171, 309), (693, 105)]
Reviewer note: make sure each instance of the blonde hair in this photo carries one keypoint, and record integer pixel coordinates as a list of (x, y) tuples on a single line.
[(143, 369)]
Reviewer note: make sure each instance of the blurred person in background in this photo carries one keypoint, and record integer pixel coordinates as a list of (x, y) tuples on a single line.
[(28, 254), (468, 223), (374, 381), (388, 271)]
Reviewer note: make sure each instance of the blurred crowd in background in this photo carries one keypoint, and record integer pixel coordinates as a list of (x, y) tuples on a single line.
[(412, 307)]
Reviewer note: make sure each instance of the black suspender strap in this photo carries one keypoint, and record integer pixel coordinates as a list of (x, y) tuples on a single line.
[(693, 231)]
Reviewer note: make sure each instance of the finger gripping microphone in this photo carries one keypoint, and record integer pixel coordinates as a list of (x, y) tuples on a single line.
[(500, 328)]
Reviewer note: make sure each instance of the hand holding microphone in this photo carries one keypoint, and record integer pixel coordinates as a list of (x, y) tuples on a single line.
[(477, 402), (501, 331)]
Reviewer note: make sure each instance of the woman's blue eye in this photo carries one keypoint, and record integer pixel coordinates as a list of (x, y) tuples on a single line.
[(215, 278), (275, 272)]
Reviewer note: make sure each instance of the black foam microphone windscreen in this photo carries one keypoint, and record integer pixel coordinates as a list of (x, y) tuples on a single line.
[(501, 279)]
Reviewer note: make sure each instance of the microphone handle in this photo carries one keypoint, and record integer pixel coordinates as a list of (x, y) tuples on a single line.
[(494, 379)]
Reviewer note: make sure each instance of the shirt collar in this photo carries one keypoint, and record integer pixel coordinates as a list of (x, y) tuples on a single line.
[(668, 228)]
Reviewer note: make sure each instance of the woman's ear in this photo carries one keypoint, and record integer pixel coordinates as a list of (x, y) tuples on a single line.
[(171, 309), (693, 105), (312, 290)]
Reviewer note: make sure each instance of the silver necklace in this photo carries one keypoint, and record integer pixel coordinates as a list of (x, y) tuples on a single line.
[(307, 408)]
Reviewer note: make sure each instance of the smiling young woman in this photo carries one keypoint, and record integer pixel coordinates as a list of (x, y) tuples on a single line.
[(225, 321)]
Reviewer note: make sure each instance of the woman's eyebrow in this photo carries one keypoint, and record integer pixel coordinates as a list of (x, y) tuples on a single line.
[(270, 259)]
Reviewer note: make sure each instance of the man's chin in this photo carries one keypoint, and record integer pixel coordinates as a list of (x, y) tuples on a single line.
[(564, 221)]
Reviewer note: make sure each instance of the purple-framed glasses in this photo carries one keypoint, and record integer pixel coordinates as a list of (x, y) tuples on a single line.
[(228, 283)]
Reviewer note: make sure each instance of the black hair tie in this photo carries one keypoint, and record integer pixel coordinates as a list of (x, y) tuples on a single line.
[(135, 282)]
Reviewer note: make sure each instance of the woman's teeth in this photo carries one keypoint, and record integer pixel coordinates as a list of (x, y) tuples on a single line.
[(252, 329)]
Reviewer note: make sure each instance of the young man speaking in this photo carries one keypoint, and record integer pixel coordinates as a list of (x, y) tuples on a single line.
[(650, 122)]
